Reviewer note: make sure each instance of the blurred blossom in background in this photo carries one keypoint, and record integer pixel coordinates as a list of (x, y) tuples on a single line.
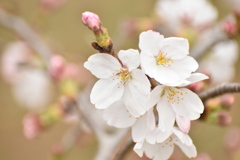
[(35, 117)]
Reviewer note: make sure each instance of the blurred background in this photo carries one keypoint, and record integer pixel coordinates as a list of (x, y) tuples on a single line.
[(64, 32)]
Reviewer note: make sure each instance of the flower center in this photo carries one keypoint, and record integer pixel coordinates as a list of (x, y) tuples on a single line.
[(173, 95), (162, 60), (123, 75), (169, 142)]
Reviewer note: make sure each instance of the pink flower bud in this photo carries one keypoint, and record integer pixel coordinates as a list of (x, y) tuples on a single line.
[(71, 71), (230, 27), (197, 87), (227, 100), (57, 66), (91, 20), (224, 118), (31, 125), (183, 123)]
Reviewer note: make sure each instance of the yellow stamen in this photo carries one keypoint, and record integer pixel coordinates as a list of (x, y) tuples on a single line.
[(162, 60)]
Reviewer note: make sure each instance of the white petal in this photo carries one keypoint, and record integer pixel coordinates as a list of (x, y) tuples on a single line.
[(183, 123), (151, 149), (151, 136), (138, 148), (184, 138), (140, 129), (102, 65), (149, 41), (148, 62), (151, 121), (183, 67), (105, 92), (116, 115), (164, 153), (166, 115), (157, 136), (136, 93), (33, 88), (195, 77), (154, 151), (190, 151), (177, 48), (166, 75), (130, 58), (177, 71), (190, 106), (154, 96), (140, 81)]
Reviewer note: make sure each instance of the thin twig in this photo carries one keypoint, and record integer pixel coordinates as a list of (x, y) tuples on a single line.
[(219, 90), (121, 146)]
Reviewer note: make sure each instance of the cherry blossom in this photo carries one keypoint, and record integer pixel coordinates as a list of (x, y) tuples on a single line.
[(197, 13), (33, 89), (119, 117), (91, 20), (224, 55), (165, 59), (119, 81), (173, 101), (14, 56), (162, 148)]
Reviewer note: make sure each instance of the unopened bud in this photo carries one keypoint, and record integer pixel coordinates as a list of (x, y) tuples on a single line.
[(31, 125), (183, 123), (213, 104), (51, 115), (91, 20), (224, 118), (57, 66), (101, 35), (69, 87), (71, 71), (227, 101), (197, 87), (230, 27)]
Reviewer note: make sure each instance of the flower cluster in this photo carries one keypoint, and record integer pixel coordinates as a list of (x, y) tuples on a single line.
[(128, 99)]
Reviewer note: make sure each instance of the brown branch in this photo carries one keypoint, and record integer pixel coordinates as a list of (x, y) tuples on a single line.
[(219, 90), (121, 146)]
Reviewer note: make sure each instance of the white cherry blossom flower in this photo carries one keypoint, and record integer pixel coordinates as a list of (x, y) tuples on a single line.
[(33, 89), (119, 81), (224, 55), (116, 115), (173, 101), (165, 59), (163, 149), (16, 54), (179, 13)]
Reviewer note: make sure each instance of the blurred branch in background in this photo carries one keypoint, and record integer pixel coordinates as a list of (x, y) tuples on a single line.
[(27, 33), (219, 90)]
